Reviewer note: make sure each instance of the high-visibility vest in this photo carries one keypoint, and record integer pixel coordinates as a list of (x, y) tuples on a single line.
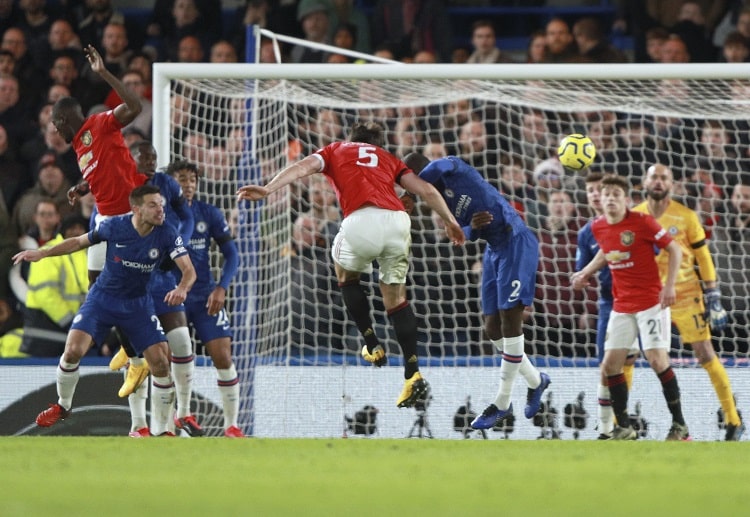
[(58, 285)]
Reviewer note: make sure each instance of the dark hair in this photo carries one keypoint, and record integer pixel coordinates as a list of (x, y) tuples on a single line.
[(592, 177), (181, 165), (368, 133), (482, 23), (614, 180), (138, 193), (736, 38), (65, 105), (416, 161), (73, 220)]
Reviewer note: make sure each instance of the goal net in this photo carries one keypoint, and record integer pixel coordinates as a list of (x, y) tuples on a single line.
[(295, 347)]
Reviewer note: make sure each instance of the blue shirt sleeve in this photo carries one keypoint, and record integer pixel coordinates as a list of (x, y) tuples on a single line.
[(231, 262)]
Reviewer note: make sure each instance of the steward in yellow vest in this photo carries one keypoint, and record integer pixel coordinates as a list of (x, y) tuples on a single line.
[(57, 288)]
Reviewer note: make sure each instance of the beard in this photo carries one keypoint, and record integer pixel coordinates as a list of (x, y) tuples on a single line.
[(657, 196)]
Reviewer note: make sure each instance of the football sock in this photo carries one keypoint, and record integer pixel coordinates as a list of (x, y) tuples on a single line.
[(529, 372), (628, 370), (618, 393), (672, 394), (604, 410), (162, 399), (124, 342), (67, 380), (723, 389), (137, 361), (509, 368), (229, 388), (137, 403), (405, 324), (358, 306), (183, 367)]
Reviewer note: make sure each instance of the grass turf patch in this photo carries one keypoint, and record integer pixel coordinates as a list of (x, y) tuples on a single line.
[(93, 475)]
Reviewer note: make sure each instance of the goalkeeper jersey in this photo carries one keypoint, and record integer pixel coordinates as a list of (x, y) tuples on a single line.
[(683, 226)]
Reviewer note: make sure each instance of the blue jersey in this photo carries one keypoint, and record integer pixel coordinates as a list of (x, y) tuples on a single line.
[(587, 250), (176, 209), (210, 223), (131, 257), (466, 192)]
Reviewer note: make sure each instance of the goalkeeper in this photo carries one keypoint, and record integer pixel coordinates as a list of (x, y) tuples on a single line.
[(509, 271), (689, 313)]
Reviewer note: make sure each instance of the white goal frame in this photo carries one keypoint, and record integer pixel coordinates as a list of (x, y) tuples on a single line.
[(164, 73)]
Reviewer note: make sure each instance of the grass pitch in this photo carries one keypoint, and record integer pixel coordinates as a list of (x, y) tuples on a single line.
[(61, 476)]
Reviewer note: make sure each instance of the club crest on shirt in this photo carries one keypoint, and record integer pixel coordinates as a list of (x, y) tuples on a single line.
[(449, 193), (153, 253), (627, 238), (201, 226), (673, 230), (86, 138)]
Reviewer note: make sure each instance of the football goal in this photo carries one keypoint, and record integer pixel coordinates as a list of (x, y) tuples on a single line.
[(296, 349)]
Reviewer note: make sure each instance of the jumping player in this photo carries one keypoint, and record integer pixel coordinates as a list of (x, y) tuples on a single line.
[(508, 273), (375, 227)]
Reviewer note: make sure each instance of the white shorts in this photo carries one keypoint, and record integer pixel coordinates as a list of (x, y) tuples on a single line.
[(373, 233), (97, 254), (653, 325)]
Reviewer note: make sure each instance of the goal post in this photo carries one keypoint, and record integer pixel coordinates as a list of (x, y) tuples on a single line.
[(296, 350)]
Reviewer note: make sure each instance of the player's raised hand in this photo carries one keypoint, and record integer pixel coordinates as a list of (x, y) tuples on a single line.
[(455, 233), (28, 256), (95, 60), (252, 193)]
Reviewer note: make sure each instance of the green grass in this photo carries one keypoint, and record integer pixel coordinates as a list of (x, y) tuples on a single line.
[(218, 477)]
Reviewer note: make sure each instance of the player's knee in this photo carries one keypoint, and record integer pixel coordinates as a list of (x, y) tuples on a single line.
[(158, 359), (220, 351)]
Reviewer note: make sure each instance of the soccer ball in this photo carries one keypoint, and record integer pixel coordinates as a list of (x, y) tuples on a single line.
[(576, 152)]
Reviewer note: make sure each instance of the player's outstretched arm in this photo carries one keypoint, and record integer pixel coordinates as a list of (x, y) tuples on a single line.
[(580, 279), (305, 167), (66, 247), (177, 295), (126, 112)]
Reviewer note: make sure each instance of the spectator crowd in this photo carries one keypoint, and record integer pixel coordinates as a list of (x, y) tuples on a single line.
[(41, 60)]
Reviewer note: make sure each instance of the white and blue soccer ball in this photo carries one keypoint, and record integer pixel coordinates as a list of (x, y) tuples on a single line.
[(576, 152)]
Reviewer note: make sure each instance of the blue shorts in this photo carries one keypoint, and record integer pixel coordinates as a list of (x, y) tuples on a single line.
[(509, 275), (207, 327), (135, 316), (160, 284)]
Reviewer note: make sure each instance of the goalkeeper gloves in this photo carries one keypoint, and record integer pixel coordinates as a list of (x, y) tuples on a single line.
[(716, 313)]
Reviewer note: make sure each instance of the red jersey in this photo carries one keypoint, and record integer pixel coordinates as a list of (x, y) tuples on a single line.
[(628, 247), (106, 164), (362, 174)]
